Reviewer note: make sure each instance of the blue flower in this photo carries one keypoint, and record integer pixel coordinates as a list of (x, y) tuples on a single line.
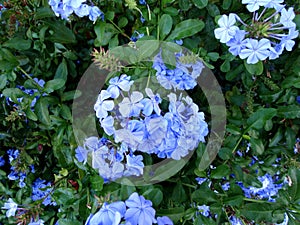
[(227, 30), (255, 50), (140, 211), (82, 10), (287, 17), (164, 221), (142, 2), (253, 5), (108, 125), (11, 207), (201, 180), (95, 13), (2, 161), (235, 221), (204, 210), (42, 190), (134, 165), (109, 214), (117, 84), (131, 106), (226, 186), (81, 154), (102, 105), (298, 99), (39, 222), (151, 104), (237, 43)]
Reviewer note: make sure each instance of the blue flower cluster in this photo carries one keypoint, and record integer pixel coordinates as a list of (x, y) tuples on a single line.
[(30, 92), (18, 170), (183, 77), (65, 8), (269, 189), (136, 210), (138, 124), (266, 37), (41, 190)]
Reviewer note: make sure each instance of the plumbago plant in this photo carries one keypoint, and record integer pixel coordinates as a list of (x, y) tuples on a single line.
[(107, 116)]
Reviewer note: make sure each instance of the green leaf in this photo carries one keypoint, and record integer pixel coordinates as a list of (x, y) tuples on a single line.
[(226, 4), (165, 26), (175, 214), (42, 13), (291, 82), (204, 195), (184, 5), (13, 93), (294, 189), (96, 183), (146, 49), (61, 71), (61, 33), (259, 118), (69, 222), (123, 21), (3, 81), (289, 112), (200, 3), (254, 69), (257, 145), (18, 43), (53, 85), (63, 195), (179, 194), (42, 112), (31, 115), (65, 112), (231, 74), (236, 200), (70, 95), (225, 67), (155, 195), (220, 172), (186, 28), (262, 212), (213, 10)]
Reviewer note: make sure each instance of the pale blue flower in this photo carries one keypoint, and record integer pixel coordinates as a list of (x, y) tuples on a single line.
[(39, 222), (82, 10), (131, 106), (204, 210), (253, 5), (151, 104), (2, 161), (109, 214), (287, 41), (140, 211), (255, 50), (201, 180), (108, 125), (102, 105), (11, 207), (81, 154), (134, 165), (237, 43), (95, 13), (235, 221), (117, 84), (287, 17), (164, 220), (227, 30)]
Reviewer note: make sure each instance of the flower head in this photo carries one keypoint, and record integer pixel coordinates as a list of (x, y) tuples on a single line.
[(227, 30), (11, 207), (140, 211)]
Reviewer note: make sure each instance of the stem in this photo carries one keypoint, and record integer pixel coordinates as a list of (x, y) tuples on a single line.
[(24, 72), (237, 144), (119, 29), (261, 14), (254, 200)]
